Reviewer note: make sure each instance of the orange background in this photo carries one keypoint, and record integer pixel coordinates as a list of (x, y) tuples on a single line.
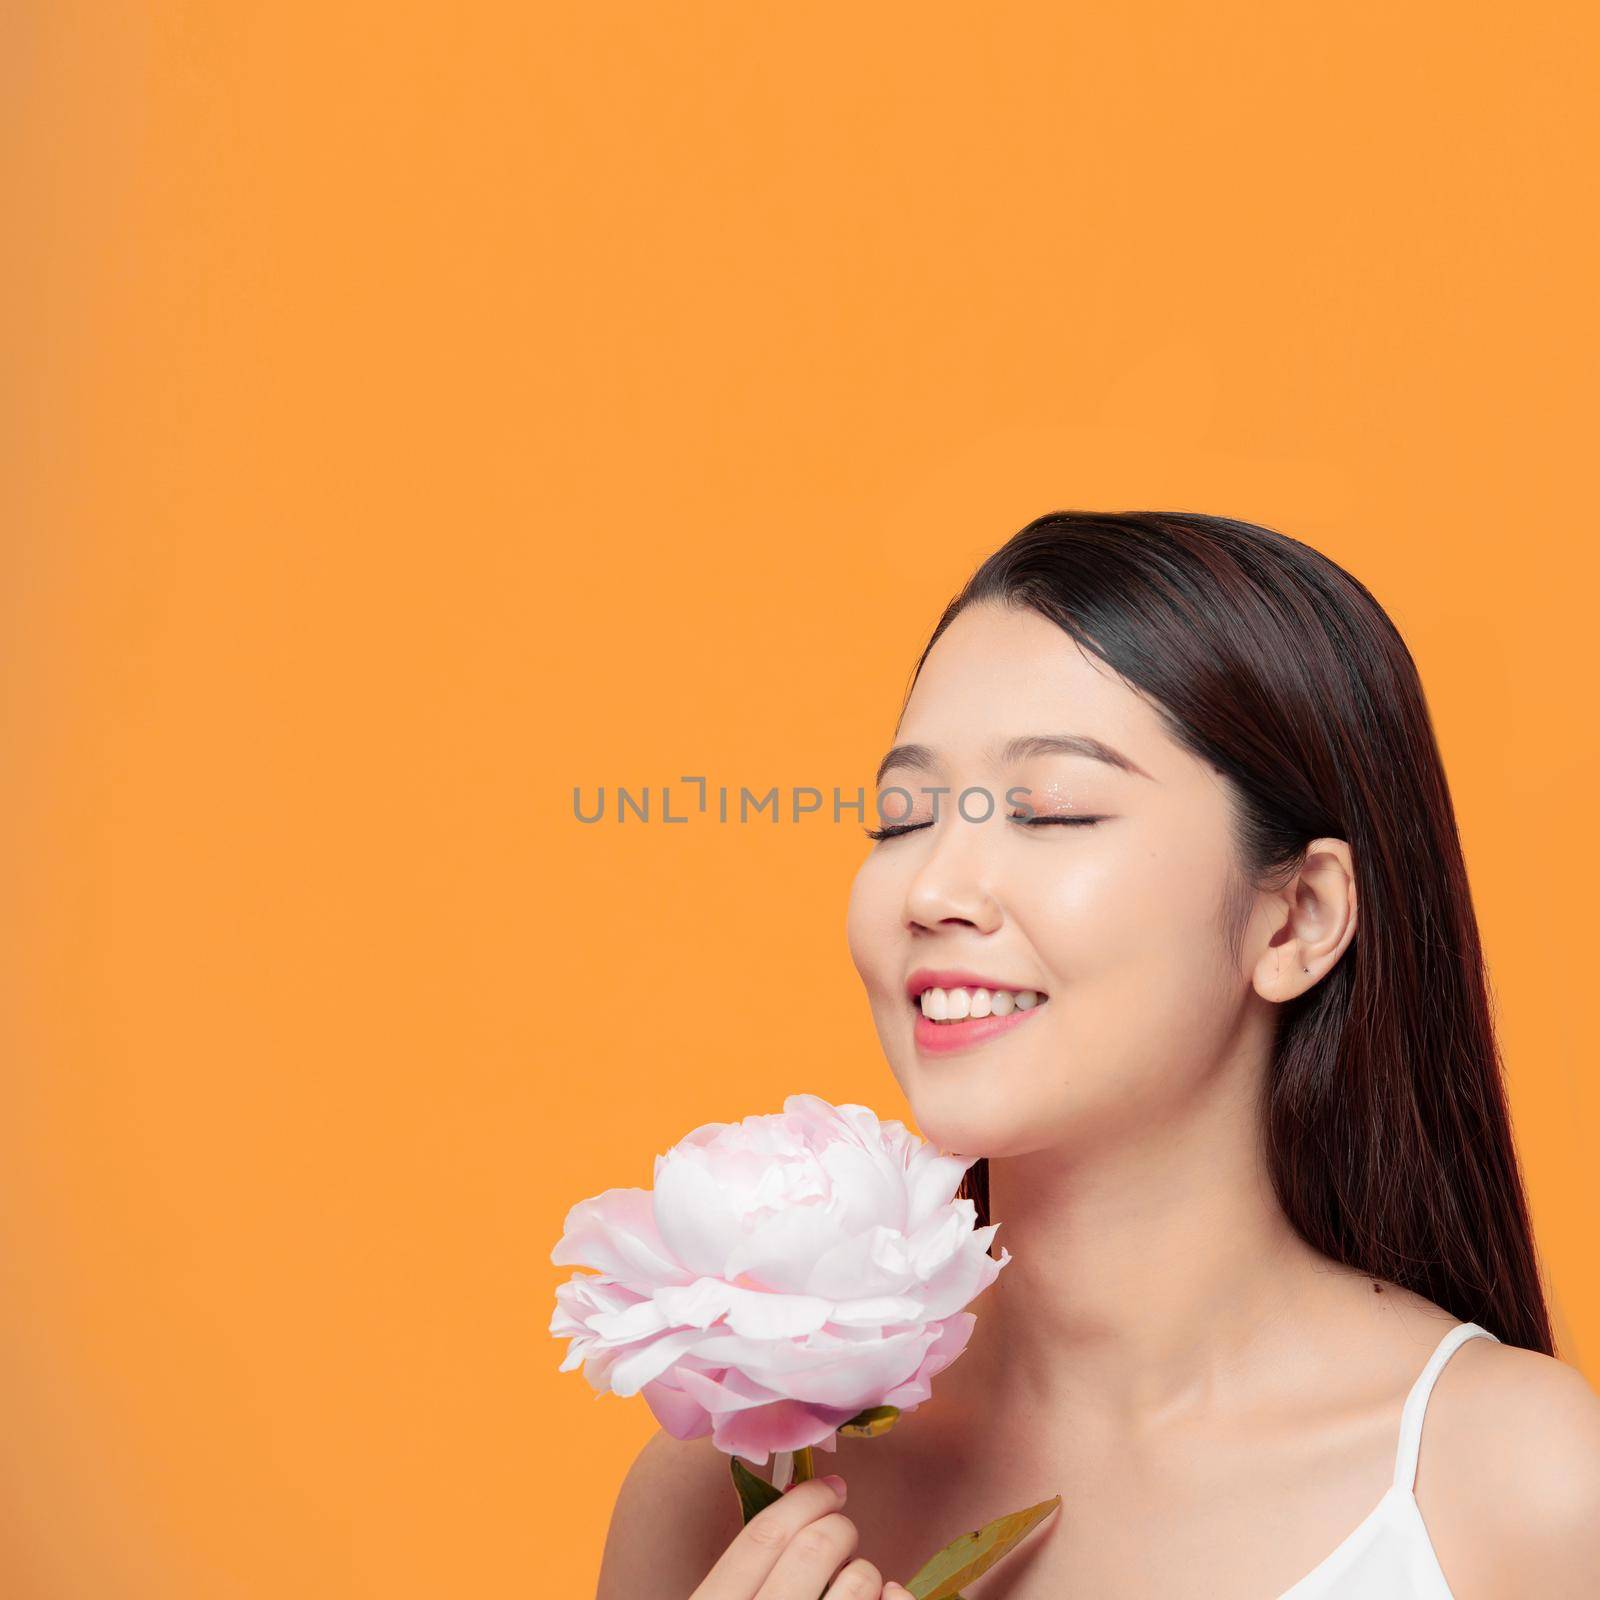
[(416, 410)]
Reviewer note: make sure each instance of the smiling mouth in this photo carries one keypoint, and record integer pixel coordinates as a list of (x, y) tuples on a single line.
[(949, 1007)]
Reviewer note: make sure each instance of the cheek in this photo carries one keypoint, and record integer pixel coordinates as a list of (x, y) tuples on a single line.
[(1144, 998), (1086, 910), (1129, 908), (871, 924)]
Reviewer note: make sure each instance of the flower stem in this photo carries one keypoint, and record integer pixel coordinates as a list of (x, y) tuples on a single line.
[(802, 1465)]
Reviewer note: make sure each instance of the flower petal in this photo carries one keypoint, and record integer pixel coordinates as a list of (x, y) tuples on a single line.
[(781, 1249), (616, 1233), (867, 1190), (873, 1262), (784, 1425), (954, 1333), (677, 1411), (694, 1214), (826, 1371), (965, 1278), (731, 1391), (931, 1181), (751, 1313), (878, 1312), (632, 1370)]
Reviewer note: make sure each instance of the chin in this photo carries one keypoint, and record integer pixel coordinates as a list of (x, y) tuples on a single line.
[(960, 1127)]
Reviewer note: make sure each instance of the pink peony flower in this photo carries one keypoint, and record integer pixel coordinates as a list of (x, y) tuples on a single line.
[(785, 1273)]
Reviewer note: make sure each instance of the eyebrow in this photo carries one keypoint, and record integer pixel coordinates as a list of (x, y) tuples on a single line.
[(922, 758)]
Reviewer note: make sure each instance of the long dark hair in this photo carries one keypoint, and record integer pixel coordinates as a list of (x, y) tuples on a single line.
[(1386, 1124)]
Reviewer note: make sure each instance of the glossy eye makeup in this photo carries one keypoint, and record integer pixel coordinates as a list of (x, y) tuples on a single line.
[(1055, 801), (1055, 797)]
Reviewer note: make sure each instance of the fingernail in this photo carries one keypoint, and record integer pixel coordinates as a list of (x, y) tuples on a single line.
[(836, 1483)]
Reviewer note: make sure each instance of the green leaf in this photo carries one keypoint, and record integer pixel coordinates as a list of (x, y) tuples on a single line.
[(870, 1423), (974, 1553), (755, 1494)]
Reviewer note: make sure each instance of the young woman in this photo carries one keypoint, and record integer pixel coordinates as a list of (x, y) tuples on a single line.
[(1173, 777)]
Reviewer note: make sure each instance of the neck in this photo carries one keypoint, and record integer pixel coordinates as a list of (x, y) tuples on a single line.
[(1146, 1272)]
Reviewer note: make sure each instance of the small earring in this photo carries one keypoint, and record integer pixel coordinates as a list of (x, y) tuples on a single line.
[(1305, 969)]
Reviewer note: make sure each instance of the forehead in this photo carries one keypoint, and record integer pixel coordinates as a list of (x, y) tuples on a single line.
[(996, 672)]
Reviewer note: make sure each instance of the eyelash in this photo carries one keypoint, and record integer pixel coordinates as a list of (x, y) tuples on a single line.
[(895, 829)]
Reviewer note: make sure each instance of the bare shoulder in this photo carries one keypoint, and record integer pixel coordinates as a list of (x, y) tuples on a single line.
[(1509, 1475), (1531, 1422), (676, 1512)]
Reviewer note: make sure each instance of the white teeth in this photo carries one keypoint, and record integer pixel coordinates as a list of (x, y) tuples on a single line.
[(954, 1005)]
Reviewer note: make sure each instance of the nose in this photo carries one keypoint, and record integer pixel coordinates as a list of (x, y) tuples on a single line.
[(952, 883)]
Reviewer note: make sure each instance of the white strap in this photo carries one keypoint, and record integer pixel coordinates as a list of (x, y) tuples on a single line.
[(1405, 1460)]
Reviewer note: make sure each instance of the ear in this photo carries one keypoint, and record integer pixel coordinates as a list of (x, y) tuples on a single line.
[(1315, 917)]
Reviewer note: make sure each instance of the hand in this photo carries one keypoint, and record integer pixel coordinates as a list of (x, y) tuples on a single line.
[(792, 1549)]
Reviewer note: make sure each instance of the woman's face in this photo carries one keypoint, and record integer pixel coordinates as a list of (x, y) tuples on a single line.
[(1116, 920)]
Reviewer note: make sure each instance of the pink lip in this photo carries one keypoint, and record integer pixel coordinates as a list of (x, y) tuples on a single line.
[(945, 1038), (958, 978)]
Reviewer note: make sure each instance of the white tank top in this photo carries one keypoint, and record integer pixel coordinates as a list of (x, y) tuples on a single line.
[(1388, 1555)]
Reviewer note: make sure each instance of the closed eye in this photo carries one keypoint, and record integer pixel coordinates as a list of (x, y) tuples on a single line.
[(895, 829)]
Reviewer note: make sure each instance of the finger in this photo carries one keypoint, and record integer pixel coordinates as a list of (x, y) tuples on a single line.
[(754, 1552), (859, 1580), (811, 1559)]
